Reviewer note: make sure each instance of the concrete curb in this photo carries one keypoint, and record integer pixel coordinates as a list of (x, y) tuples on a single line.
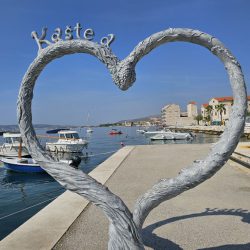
[(241, 154), (45, 228), (239, 161)]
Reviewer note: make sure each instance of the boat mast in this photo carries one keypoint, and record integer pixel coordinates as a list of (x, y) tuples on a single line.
[(20, 149)]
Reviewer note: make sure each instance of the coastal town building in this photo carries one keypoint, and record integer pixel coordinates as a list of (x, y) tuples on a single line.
[(215, 115), (155, 121), (128, 124), (172, 116), (204, 112), (192, 109)]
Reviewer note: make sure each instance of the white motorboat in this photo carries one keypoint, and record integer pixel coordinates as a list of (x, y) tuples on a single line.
[(156, 132), (162, 137), (168, 135), (141, 131), (90, 130), (11, 145), (68, 141)]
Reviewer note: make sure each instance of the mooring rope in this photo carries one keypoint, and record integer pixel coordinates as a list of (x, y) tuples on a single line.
[(22, 210), (27, 208), (101, 153)]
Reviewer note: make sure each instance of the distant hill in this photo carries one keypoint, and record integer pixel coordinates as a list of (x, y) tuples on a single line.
[(146, 118), (49, 126), (36, 126), (9, 128)]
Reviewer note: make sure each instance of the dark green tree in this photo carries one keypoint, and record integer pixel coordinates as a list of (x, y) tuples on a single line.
[(207, 119), (198, 118)]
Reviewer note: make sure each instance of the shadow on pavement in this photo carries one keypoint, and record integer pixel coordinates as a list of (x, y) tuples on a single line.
[(229, 247), (156, 242)]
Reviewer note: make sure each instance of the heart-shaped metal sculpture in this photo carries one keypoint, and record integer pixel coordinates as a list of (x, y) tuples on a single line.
[(125, 227)]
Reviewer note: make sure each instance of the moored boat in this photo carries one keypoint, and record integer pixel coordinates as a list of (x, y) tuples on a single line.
[(55, 131), (141, 131), (24, 165), (90, 130), (11, 145), (68, 141), (162, 137), (169, 135), (156, 132), (115, 132)]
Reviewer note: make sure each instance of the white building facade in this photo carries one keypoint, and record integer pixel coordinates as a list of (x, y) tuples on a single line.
[(215, 115), (192, 109)]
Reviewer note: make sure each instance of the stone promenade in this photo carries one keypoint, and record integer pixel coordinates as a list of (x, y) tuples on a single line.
[(214, 215)]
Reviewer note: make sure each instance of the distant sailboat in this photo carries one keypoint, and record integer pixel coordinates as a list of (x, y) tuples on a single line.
[(89, 129)]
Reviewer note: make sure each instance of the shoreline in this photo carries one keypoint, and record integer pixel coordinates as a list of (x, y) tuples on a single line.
[(211, 130)]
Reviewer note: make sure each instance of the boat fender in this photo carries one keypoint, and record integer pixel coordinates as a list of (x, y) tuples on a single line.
[(75, 161)]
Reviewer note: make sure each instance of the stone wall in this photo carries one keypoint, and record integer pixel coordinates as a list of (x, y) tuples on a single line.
[(186, 121), (171, 116)]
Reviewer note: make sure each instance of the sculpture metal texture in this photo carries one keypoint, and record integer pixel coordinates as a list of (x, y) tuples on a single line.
[(125, 226)]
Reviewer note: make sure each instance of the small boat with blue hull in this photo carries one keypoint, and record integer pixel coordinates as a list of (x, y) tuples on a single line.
[(24, 165)]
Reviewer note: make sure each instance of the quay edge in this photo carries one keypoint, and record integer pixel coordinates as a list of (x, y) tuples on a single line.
[(211, 130), (44, 229)]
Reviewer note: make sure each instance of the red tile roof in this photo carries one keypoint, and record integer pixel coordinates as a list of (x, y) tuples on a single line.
[(205, 105), (226, 98), (192, 102)]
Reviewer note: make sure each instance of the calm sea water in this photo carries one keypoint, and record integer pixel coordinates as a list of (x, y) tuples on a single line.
[(23, 195)]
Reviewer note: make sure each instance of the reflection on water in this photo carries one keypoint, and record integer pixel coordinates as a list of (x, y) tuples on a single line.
[(12, 179), (19, 191)]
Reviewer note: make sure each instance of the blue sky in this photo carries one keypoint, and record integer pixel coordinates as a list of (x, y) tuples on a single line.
[(75, 85)]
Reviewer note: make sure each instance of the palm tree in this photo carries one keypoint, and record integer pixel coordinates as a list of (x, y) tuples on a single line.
[(207, 118), (220, 108), (209, 109)]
